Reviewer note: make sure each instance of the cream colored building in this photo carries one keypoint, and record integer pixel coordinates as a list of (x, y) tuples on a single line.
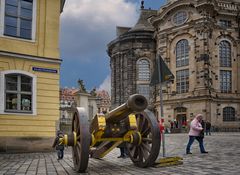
[(88, 102), (29, 73), (200, 42)]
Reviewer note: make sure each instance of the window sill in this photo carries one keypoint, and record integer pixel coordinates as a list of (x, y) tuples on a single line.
[(17, 38), (17, 113)]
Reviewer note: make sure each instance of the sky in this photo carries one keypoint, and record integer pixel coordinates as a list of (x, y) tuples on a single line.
[(87, 26)]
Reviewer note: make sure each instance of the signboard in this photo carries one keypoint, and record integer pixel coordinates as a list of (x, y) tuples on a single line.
[(161, 72), (40, 69)]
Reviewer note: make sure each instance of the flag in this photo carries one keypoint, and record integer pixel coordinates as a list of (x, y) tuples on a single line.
[(166, 74)]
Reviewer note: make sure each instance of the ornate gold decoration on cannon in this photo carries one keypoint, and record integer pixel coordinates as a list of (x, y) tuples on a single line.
[(131, 123)]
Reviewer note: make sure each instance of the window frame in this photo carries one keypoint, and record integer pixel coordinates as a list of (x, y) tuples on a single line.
[(225, 54), (144, 89), (185, 82), (178, 19), (227, 111), (33, 27), (143, 70), (228, 84), (182, 56), (3, 93), (225, 24)]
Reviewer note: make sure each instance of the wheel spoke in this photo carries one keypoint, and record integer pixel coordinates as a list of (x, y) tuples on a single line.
[(144, 153), (140, 154), (146, 131), (133, 151), (78, 129), (75, 150), (146, 147), (146, 139)]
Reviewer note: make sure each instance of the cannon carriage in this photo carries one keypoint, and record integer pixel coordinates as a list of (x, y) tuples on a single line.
[(131, 123)]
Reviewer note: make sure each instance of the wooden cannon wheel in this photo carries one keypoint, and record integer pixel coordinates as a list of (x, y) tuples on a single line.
[(80, 151), (144, 154)]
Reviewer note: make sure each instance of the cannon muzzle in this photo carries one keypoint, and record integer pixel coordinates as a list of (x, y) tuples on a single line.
[(135, 103)]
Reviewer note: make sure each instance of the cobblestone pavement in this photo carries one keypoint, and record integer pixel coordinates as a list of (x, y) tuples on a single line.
[(223, 158)]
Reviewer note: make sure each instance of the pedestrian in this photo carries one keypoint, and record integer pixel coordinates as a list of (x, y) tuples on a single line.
[(196, 132), (58, 145), (208, 128), (123, 150)]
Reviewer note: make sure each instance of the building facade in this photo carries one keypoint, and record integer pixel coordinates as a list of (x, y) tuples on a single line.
[(29, 73), (88, 102), (67, 104), (200, 42), (103, 101), (132, 56)]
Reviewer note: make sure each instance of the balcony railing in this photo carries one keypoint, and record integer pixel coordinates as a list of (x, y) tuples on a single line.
[(228, 6)]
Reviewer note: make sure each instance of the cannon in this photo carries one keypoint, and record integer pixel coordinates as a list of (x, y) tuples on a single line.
[(131, 123)]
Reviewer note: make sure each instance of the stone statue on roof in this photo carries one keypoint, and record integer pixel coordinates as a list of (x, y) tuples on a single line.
[(81, 86)]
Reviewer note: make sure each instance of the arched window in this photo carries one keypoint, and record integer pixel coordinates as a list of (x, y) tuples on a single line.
[(182, 53), (18, 91), (225, 54), (143, 66), (229, 114)]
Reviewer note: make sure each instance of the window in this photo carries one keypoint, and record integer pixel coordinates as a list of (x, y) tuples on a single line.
[(180, 17), (18, 18), (144, 90), (182, 53), (225, 81), (18, 91), (143, 66), (225, 54), (182, 81), (225, 23), (229, 114)]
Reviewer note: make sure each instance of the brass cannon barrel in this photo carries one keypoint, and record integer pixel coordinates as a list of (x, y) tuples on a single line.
[(135, 103)]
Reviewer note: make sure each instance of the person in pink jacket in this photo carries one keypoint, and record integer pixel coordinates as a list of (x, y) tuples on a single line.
[(196, 130)]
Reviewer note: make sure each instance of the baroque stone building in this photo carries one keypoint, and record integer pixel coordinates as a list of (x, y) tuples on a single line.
[(200, 42), (132, 55)]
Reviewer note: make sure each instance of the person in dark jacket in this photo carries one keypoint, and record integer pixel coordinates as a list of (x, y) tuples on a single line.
[(208, 128), (58, 145)]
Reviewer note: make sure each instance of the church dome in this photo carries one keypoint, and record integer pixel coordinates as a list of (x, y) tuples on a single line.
[(143, 23)]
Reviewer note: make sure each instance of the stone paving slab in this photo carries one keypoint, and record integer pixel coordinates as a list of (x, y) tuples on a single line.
[(223, 158)]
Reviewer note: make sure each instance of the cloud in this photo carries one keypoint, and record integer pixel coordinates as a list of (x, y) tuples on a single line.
[(106, 85), (87, 26)]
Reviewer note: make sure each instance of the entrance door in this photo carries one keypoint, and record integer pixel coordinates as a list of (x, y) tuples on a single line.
[(181, 121)]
